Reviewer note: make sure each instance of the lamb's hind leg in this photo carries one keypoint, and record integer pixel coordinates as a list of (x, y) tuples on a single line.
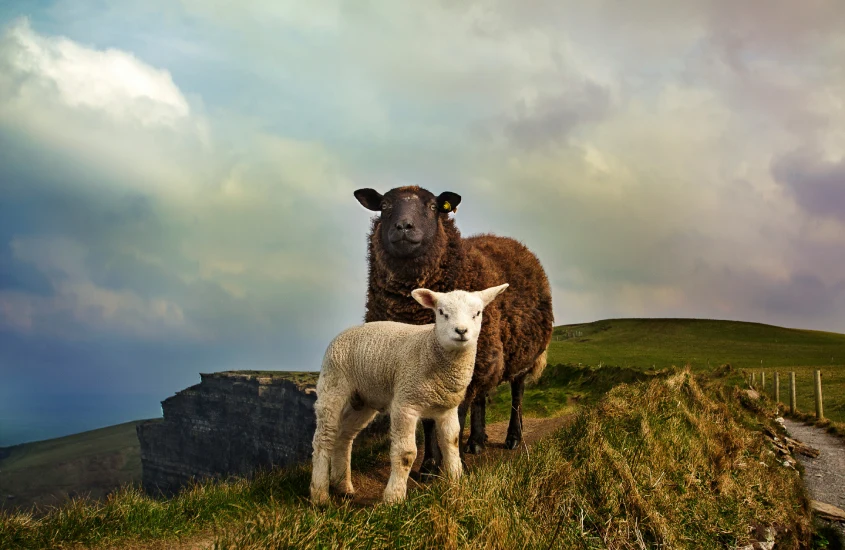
[(327, 410), (403, 451), (351, 423), (514, 436)]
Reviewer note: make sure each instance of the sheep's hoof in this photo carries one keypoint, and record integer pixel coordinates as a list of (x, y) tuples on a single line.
[(474, 448), (512, 442), (429, 470)]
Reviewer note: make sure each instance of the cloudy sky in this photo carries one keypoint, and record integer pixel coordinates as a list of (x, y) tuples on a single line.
[(176, 177)]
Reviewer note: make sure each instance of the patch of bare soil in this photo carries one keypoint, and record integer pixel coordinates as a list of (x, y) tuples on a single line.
[(824, 476), (203, 541), (370, 485)]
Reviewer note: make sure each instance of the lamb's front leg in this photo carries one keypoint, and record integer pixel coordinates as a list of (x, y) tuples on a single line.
[(403, 452), (448, 436)]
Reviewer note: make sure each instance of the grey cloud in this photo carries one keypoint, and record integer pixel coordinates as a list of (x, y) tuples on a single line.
[(554, 117), (818, 186)]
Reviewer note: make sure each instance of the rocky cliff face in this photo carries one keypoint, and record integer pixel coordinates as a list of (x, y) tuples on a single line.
[(232, 423)]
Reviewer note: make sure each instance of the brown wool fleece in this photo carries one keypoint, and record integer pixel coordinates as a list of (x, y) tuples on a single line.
[(516, 328)]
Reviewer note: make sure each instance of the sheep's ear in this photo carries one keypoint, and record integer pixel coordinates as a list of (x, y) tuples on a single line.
[(425, 297), (448, 202), (369, 199), (489, 294)]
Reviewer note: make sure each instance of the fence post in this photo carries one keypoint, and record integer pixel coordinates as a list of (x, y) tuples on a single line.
[(792, 392), (753, 380), (819, 406), (777, 387), (763, 382)]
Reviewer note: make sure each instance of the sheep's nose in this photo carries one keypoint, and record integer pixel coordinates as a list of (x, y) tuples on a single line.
[(461, 331), (405, 225)]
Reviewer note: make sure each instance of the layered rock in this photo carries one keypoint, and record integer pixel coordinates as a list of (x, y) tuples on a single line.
[(231, 423)]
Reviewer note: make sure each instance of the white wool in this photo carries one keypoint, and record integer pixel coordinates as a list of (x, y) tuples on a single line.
[(412, 371)]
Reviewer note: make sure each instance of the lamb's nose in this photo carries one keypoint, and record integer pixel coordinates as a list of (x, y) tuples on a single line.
[(405, 225), (461, 331)]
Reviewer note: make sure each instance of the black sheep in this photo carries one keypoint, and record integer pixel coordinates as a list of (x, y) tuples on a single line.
[(413, 244)]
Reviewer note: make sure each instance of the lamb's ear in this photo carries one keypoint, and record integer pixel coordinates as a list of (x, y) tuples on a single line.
[(448, 202), (487, 295), (425, 297), (369, 199)]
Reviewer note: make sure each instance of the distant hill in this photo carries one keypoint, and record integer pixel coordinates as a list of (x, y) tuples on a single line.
[(47, 472), (643, 343)]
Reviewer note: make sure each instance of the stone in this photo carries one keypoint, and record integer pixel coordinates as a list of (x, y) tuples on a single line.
[(827, 511)]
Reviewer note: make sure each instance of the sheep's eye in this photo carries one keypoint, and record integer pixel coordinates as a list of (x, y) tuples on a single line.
[(385, 206), (479, 313), (441, 312), (433, 207)]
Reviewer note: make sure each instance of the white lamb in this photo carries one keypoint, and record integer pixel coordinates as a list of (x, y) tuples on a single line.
[(414, 371)]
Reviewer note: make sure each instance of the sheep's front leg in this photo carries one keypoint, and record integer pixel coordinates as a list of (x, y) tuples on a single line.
[(351, 423), (431, 456), (477, 429), (448, 436), (403, 452)]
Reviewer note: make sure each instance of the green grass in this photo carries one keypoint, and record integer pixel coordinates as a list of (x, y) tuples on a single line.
[(302, 378), (673, 462), (562, 389), (93, 462)]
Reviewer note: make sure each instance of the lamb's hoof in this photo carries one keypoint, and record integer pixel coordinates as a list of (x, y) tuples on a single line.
[(320, 498), (429, 470), (347, 496), (474, 448), (512, 442)]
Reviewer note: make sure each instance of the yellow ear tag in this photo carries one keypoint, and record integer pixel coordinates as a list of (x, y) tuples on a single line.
[(446, 206)]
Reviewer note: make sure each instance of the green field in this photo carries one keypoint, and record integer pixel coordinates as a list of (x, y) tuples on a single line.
[(88, 463), (661, 343)]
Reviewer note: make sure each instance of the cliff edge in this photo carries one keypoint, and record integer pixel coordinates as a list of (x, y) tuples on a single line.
[(231, 423)]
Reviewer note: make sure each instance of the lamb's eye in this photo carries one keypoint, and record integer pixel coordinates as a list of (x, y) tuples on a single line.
[(479, 313), (441, 312), (433, 207)]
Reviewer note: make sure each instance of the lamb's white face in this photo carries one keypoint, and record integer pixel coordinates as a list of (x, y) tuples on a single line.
[(457, 314)]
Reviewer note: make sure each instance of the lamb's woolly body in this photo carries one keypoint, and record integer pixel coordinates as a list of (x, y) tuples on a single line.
[(384, 361)]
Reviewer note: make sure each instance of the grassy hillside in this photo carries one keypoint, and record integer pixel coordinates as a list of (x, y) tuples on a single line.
[(641, 344), (46, 472), (660, 343), (671, 462)]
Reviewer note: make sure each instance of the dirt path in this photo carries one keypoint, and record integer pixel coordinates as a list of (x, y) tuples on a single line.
[(370, 485), (824, 476)]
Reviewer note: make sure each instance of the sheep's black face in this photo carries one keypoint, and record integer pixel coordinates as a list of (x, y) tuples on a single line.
[(409, 217)]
